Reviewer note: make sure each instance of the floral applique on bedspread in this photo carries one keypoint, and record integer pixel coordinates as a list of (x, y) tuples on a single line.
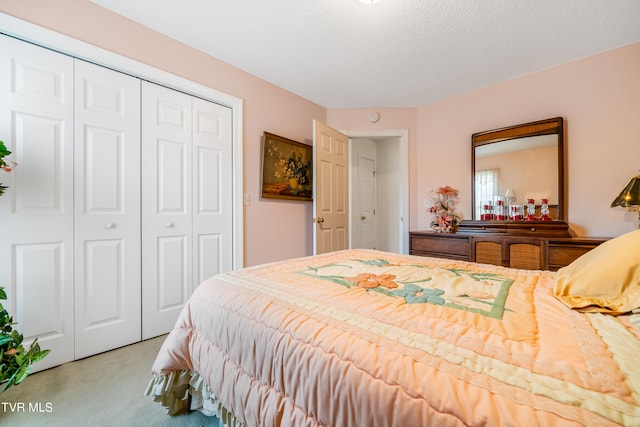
[(479, 292)]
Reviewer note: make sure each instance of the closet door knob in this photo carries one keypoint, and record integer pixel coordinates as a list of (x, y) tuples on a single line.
[(169, 225), (109, 225)]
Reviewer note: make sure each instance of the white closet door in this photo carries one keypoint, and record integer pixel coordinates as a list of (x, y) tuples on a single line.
[(107, 209), (213, 198), (36, 245), (166, 207)]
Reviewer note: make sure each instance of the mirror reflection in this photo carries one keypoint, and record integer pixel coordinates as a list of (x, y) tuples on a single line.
[(515, 164)]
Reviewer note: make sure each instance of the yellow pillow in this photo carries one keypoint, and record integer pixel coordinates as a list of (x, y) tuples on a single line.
[(605, 279)]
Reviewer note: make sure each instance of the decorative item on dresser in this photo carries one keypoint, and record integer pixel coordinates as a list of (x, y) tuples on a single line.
[(530, 245), (442, 206)]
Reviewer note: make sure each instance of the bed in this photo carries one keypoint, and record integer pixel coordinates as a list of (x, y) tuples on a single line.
[(368, 338)]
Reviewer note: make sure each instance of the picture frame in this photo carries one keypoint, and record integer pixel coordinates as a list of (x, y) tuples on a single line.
[(287, 168)]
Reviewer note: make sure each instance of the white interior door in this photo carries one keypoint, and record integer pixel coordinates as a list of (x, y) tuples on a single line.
[(167, 273), (331, 189), (213, 193), (364, 202), (107, 209), (36, 248)]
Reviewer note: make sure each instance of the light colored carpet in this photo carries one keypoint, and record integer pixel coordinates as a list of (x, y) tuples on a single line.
[(102, 390)]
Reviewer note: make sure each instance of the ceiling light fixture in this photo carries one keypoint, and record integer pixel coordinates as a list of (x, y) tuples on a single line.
[(369, 1)]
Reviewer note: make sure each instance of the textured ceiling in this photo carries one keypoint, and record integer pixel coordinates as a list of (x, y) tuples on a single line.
[(396, 53)]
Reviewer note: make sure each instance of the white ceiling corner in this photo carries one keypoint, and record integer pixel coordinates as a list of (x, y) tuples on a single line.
[(396, 53)]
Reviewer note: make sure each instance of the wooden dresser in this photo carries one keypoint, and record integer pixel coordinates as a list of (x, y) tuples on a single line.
[(531, 245)]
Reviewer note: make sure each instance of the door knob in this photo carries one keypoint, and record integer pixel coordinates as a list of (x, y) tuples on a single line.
[(363, 217), (319, 220), (169, 225), (109, 225)]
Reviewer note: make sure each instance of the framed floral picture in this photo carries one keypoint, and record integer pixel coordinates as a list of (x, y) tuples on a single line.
[(286, 168)]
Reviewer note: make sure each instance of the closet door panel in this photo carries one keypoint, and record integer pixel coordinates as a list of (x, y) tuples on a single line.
[(167, 243), (107, 209), (172, 252), (39, 146), (39, 263), (36, 248), (213, 201)]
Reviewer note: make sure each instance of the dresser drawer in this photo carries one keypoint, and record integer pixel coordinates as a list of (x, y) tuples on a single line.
[(564, 252), (538, 228), (432, 244)]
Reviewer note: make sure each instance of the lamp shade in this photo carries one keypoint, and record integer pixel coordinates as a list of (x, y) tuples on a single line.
[(630, 194)]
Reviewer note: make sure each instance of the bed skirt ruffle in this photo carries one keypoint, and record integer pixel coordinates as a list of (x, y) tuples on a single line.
[(184, 391)]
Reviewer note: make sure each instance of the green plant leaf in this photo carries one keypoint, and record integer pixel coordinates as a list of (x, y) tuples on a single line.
[(22, 373), (3, 149), (19, 375), (15, 362), (39, 356)]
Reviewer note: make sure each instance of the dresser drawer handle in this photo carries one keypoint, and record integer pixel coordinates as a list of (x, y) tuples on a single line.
[(533, 229)]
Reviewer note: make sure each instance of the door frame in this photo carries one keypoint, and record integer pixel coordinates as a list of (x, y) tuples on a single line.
[(32, 33), (403, 164)]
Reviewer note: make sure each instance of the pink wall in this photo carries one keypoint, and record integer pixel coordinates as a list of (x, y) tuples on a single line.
[(597, 96), (599, 99), (272, 229)]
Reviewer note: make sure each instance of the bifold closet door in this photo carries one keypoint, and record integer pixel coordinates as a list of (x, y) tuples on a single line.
[(107, 209), (213, 192), (166, 207), (36, 242), (186, 200)]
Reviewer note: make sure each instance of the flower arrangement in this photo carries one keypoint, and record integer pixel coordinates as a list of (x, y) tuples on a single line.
[(443, 206), (293, 167), (4, 152)]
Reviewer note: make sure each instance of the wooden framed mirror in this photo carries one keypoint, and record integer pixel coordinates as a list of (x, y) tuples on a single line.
[(519, 162)]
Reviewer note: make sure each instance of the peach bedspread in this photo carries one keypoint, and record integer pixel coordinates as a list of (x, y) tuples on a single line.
[(368, 338)]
